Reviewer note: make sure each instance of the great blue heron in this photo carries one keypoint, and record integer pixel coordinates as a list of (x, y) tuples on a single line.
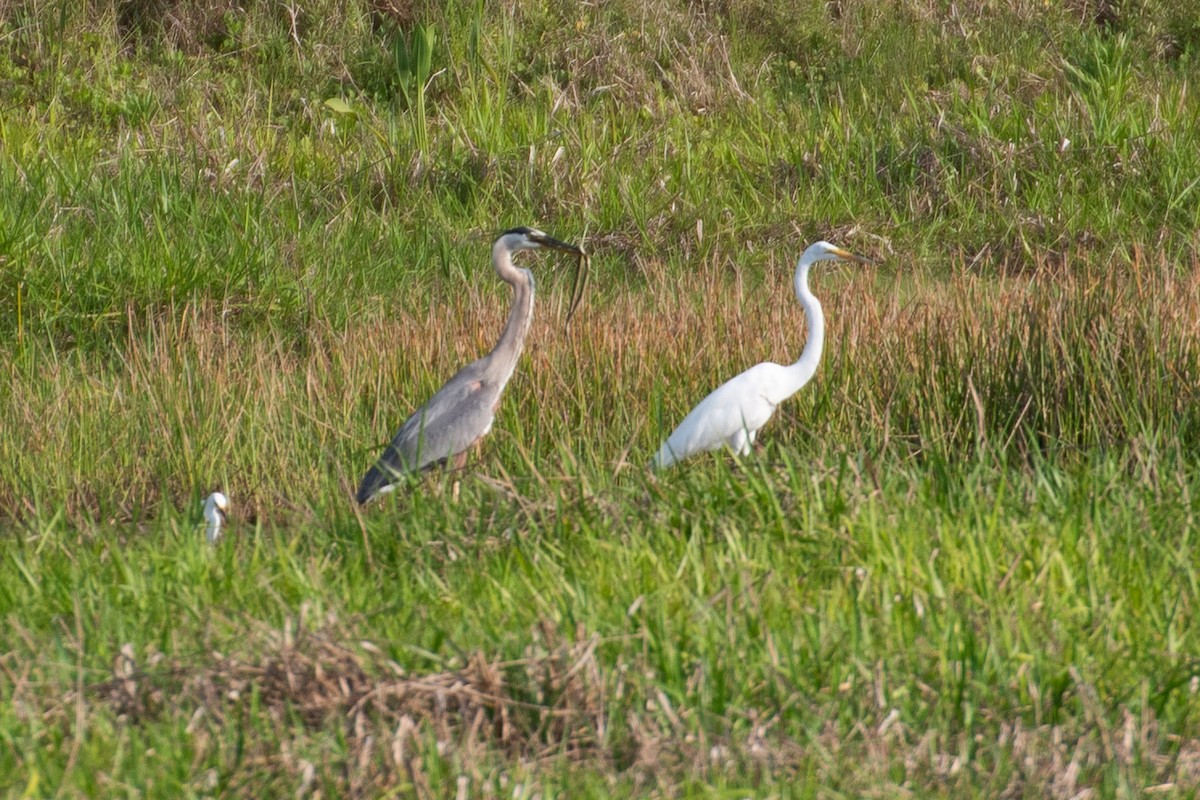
[(735, 411), (215, 507), (462, 411)]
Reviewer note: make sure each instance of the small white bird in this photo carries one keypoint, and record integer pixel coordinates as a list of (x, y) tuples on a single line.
[(215, 507), (735, 411)]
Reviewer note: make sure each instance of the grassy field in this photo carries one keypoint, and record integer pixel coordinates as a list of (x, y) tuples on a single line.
[(240, 243)]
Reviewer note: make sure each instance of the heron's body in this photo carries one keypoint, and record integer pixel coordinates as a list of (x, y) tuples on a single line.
[(462, 412), (733, 413)]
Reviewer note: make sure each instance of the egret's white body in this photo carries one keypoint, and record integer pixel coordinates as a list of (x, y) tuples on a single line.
[(733, 413), (215, 507)]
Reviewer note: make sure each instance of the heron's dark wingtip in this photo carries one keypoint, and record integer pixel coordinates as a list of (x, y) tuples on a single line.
[(372, 484)]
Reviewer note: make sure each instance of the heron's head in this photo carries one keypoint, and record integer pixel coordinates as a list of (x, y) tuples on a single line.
[(532, 239), (824, 251), (216, 505)]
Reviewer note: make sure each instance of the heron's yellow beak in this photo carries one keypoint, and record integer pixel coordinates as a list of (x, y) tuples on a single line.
[(846, 255)]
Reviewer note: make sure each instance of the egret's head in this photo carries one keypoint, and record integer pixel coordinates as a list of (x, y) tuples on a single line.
[(532, 239), (824, 251), (216, 505)]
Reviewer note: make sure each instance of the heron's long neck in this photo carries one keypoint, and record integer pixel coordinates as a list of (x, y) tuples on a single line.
[(512, 340), (805, 367)]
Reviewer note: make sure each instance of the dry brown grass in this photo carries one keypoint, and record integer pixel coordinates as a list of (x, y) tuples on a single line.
[(635, 53), (554, 705), (1040, 360)]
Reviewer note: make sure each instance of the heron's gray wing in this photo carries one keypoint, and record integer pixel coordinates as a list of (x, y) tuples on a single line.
[(449, 423), (452, 420)]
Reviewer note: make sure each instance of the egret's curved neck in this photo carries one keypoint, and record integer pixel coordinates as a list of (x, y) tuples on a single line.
[(503, 358), (805, 367)]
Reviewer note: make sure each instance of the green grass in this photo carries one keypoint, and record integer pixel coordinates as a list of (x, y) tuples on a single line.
[(961, 564)]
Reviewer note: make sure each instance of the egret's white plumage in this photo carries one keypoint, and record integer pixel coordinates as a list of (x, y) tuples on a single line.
[(216, 505), (733, 413)]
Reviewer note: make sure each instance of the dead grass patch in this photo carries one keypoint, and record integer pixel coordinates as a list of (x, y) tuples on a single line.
[(564, 703), (550, 702), (191, 26), (637, 54)]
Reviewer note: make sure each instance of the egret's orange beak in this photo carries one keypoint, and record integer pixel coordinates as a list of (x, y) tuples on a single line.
[(846, 255)]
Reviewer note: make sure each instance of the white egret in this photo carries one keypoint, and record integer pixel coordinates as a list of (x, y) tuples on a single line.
[(216, 505), (735, 411)]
